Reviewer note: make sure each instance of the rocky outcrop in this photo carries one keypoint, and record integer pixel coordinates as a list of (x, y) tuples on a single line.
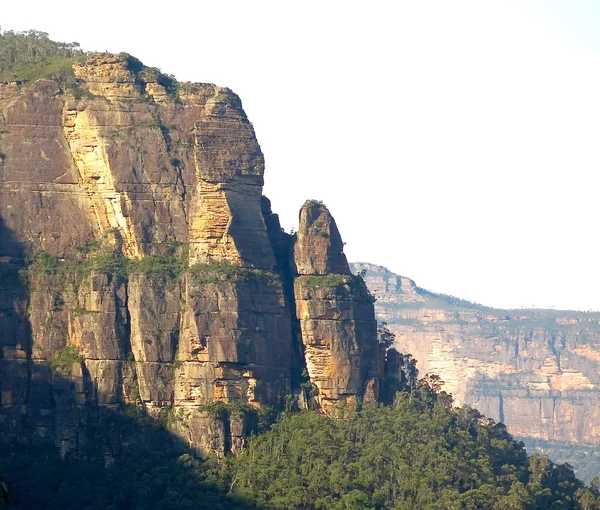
[(319, 249), (186, 168), (335, 311), (537, 371), (112, 186), (142, 272)]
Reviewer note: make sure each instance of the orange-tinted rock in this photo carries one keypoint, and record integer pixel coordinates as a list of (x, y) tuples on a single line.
[(534, 370), (135, 160), (336, 315), (128, 164), (319, 249)]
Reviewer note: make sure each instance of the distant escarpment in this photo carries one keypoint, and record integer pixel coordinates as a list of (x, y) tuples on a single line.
[(142, 268), (537, 371)]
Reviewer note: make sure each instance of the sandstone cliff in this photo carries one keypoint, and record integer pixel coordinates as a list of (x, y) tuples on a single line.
[(335, 310), (111, 189), (143, 270), (537, 371)]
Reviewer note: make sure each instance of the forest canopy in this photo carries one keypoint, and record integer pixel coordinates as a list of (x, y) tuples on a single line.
[(418, 453)]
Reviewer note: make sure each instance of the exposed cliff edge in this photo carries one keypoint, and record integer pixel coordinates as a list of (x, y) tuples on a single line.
[(537, 371), (141, 263)]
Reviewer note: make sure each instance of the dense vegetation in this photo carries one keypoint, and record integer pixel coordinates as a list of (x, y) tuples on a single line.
[(169, 260), (158, 478), (104, 256), (419, 453), (585, 457), (31, 55)]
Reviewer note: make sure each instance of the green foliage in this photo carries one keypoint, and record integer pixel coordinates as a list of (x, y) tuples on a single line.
[(354, 283), (55, 68), (310, 392), (326, 281), (385, 337), (103, 257), (89, 247), (217, 410), (172, 262), (257, 420), (157, 265), (42, 262), (312, 202), (80, 310), (404, 379), (156, 477), (218, 272), (31, 55), (419, 453), (446, 301), (63, 360), (585, 457), (165, 415)]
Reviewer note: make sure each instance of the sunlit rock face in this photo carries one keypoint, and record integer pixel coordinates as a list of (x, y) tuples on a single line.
[(127, 166), (183, 168), (336, 316), (142, 272), (319, 249), (538, 371)]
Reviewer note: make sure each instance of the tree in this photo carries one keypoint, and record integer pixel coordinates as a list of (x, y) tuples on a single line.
[(385, 337)]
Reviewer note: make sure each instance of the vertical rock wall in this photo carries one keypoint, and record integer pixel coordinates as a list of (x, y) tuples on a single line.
[(143, 272), (109, 174), (335, 310)]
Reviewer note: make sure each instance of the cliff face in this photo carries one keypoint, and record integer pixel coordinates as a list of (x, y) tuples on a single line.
[(141, 267), (135, 161), (335, 310), (537, 371), (123, 171)]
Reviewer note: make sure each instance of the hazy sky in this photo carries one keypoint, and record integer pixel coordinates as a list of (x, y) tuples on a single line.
[(455, 142)]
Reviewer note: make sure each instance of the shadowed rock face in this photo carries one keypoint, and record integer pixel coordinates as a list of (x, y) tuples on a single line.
[(335, 310)]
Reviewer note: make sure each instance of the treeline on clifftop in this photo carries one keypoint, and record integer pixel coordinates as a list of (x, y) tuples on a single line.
[(418, 453), (32, 54)]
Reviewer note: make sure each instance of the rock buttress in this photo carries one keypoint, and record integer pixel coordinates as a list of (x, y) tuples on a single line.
[(120, 156), (336, 315), (101, 179)]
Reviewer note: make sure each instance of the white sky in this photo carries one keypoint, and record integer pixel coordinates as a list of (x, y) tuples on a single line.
[(455, 142)]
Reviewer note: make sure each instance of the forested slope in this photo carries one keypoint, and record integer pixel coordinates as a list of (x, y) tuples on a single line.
[(418, 453)]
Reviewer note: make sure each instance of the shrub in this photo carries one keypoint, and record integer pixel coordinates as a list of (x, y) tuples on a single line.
[(42, 262), (217, 272), (63, 360)]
